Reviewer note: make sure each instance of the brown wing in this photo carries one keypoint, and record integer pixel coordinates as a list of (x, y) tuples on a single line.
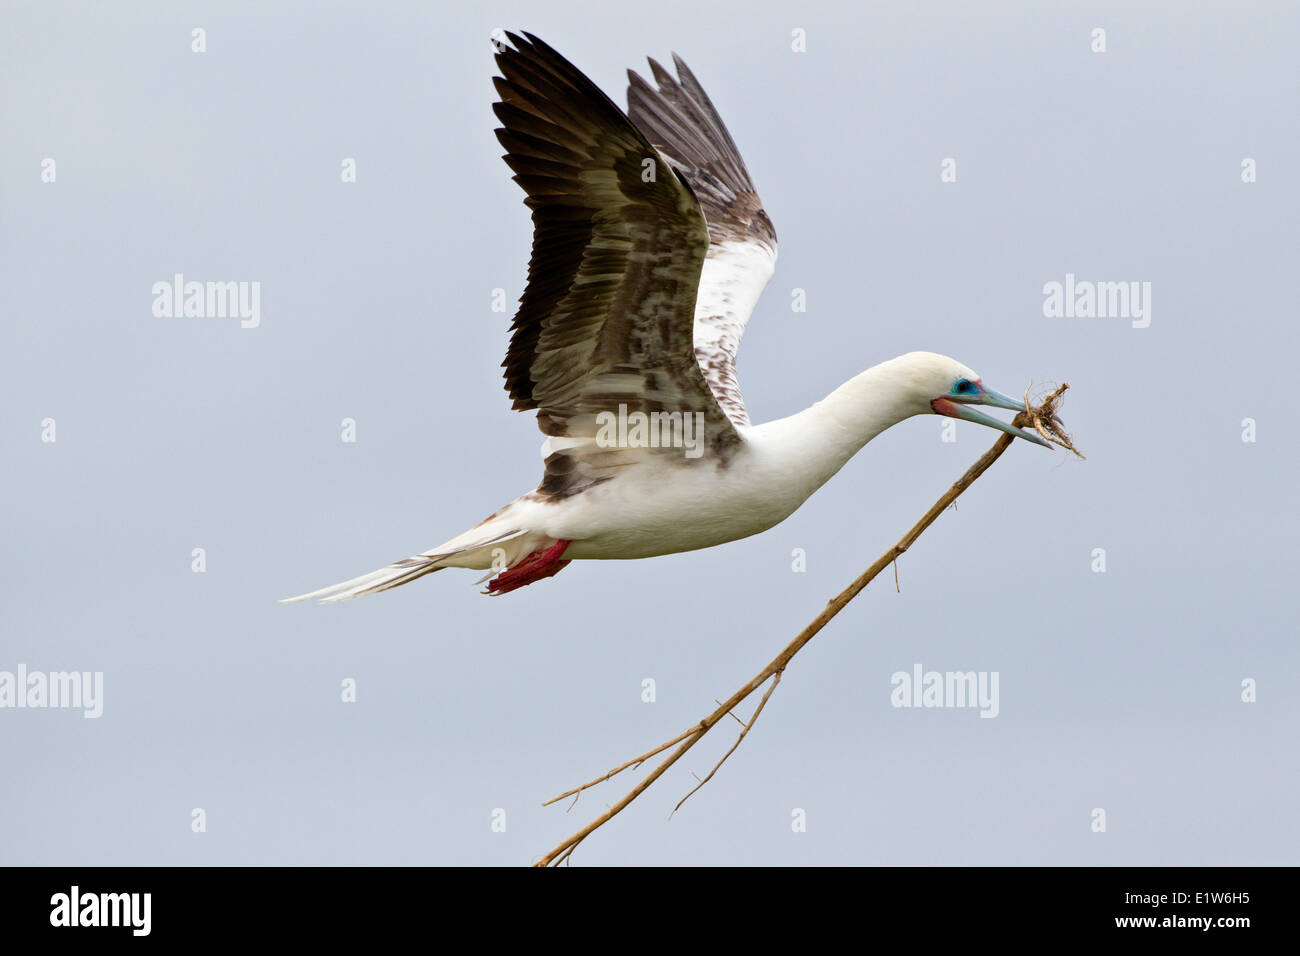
[(618, 244), (682, 122)]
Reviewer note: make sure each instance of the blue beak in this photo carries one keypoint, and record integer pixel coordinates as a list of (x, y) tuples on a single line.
[(958, 406)]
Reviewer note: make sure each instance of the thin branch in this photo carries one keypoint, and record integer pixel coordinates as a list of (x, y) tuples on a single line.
[(776, 679), (634, 762), (1042, 419), (733, 716)]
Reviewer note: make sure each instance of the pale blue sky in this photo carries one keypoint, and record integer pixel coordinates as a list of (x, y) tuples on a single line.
[(1118, 690)]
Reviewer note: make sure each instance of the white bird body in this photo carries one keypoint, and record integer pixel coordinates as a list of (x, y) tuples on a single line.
[(639, 292), (659, 508)]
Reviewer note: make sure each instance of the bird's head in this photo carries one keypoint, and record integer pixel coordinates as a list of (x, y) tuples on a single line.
[(949, 388)]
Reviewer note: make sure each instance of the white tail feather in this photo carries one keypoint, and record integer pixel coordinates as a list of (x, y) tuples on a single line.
[(399, 572)]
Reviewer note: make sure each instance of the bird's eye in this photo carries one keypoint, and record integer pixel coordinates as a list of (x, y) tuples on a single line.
[(964, 387)]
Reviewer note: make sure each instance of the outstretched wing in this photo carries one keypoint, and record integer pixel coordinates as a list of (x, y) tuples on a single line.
[(607, 318), (681, 121)]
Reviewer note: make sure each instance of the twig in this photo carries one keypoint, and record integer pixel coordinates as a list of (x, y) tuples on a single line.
[(776, 679), (733, 716), (1042, 419), (634, 762)]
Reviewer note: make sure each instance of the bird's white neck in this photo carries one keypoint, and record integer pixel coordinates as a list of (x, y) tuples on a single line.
[(823, 437)]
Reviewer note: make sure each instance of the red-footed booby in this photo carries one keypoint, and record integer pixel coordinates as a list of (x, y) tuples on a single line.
[(650, 250)]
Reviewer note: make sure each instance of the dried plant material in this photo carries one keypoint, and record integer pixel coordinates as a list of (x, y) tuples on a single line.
[(1043, 419)]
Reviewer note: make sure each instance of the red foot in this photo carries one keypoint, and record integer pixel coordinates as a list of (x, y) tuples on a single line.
[(534, 567)]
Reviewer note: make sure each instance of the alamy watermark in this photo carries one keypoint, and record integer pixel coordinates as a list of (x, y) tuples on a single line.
[(127, 910), (637, 429), (82, 690), (179, 299), (922, 688), (1084, 299)]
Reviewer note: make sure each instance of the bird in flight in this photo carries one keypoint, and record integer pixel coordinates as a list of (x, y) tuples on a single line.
[(650, 250)]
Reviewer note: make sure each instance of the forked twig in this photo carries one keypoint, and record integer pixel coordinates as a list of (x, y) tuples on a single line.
[(776, 679), (634, 762), (1041, 418)]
